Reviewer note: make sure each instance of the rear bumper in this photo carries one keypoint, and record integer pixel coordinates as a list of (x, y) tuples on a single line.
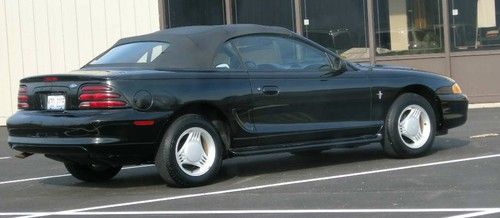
[(454, 108), (96, 134)]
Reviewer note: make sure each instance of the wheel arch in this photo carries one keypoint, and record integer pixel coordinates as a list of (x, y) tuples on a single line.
[(210, 111), (430, 96)]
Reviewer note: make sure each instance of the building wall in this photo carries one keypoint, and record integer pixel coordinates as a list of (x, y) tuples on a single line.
[(435, 64), (478, 74), (56, 36)]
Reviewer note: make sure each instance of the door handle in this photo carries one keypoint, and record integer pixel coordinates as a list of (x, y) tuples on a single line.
[(270, 90)]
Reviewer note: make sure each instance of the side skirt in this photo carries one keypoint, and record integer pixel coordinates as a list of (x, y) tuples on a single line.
[(315, 145)]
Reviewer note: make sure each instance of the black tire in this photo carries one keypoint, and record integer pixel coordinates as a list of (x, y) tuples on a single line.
[(393, 143), (91, 173), (166, 162)]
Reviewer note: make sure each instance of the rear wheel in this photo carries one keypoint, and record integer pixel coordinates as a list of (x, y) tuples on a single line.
[(92, 173), (410, 127), (191, 152)]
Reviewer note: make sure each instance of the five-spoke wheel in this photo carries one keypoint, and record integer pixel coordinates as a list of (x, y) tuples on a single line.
[(190, 153)]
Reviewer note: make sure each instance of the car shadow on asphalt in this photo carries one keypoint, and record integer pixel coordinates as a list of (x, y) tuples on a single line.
[(139, 177), (265, 164), (258, 165)]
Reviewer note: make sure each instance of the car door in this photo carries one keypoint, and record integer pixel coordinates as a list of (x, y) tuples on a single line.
[(298, 97)]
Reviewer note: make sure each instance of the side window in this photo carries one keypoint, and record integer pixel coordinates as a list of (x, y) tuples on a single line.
[(279, 53), (226, 58)]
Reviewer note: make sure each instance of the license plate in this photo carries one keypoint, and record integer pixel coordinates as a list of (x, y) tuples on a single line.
[(56, 102)]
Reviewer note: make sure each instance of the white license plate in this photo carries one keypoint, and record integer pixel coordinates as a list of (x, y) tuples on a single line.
[(56, 102)]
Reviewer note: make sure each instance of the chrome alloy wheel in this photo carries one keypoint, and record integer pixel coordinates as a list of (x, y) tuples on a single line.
[(414, 126), (195, 151)]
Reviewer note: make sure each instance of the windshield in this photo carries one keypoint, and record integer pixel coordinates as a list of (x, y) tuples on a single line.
[(132, 53)]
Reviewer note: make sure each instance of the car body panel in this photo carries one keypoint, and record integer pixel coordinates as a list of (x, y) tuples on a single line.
[(311, 106)]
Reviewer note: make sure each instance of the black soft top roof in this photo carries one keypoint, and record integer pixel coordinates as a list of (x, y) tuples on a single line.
[(194, 47)]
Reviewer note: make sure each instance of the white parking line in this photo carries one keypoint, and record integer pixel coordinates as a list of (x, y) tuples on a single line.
[(268, 185), (476, 214), (484, 135), (485, 105), (4, 158), (62, 175), (275, 211)]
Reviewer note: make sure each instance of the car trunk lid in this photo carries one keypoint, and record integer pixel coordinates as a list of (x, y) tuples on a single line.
[(58, 92)]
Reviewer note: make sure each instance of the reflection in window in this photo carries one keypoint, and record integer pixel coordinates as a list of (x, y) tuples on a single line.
[(339, 25), (194, 12), (408, 26), (269, 53), (265, 12), (226, 58), (475, 24)]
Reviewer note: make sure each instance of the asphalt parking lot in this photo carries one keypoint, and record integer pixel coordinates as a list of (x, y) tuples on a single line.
[(461, 178)]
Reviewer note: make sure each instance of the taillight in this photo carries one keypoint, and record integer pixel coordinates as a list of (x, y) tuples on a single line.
[(22, 98), (99, 97)]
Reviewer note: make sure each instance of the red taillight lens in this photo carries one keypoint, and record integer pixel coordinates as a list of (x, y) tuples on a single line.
[(99, 97), (22, 98), (101, 104)]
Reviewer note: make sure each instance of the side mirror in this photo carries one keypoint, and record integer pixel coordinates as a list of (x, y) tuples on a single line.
[(339, 65)]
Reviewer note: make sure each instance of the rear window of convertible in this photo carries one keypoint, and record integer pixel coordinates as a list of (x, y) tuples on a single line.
[(132, 53)]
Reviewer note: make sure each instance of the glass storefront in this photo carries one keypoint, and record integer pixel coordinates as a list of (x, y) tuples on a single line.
[(194, 12), (340, 29), (408, 27), (475, 24), (265, 12), (401, 27)]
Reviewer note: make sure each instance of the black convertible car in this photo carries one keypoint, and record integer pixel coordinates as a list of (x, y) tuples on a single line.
[(187, 98)]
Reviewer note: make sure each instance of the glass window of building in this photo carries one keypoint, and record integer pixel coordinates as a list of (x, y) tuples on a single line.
[(475, 24), (408, 27), (265, 12), (194, 12), (340, 25)]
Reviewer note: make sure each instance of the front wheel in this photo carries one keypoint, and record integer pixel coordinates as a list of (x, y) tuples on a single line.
[(92, 173), (190, 153), (410, 127)]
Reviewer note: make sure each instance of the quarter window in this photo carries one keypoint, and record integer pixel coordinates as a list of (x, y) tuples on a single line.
[(132, 53), (271, 53)]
